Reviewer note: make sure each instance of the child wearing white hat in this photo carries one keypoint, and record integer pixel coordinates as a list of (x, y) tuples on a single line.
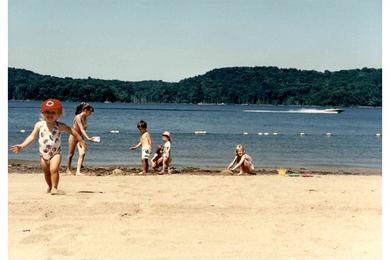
[(167, 159)]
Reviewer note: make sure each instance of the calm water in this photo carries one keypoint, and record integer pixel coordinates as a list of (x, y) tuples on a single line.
[(353, 144)]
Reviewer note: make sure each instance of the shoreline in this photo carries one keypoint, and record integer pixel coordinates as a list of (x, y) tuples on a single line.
[(26, 166)]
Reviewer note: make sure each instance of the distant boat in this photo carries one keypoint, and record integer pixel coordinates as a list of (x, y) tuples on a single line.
[(334, 110), (107, 102), (206, 104), (200, 132)]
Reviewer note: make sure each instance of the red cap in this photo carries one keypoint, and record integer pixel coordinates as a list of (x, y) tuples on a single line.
[(51, 104)]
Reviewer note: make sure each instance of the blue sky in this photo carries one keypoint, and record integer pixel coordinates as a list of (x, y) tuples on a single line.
[(172, 40)]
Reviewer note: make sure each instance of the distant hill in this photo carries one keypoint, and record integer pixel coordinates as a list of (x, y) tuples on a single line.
[(248, 85)]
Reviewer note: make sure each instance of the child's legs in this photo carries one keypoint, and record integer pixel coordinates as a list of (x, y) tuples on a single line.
[(72, 146), (46, 171), (145, 165), (55, 163), (166, 162), (246, 166), (81, 157)]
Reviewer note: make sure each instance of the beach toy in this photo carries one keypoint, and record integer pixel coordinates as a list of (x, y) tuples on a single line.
[(282, 171), (200, 132), (266, 133), (96, 139), (114, 131), (245, 133), (293, 174), (22, 131), (260, 133)]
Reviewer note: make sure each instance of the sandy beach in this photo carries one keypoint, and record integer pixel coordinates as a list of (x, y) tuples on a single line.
[(196, 217)]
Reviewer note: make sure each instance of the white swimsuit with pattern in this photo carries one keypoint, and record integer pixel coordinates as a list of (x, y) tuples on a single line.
[(49, 141)]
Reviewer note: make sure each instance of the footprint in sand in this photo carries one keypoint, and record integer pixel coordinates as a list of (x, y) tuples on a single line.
[(61, 251), (49, 214), (54, 227), (31, 239)]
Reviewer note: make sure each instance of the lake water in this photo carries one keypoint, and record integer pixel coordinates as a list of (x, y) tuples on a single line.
[(353, 142)]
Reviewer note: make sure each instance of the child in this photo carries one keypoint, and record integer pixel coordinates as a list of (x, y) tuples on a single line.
[(166, 156), (242, 160), (157, 158), (146, 142), (49, 132), (83, 111)]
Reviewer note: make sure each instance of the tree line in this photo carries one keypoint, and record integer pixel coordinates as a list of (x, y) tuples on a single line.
[(238, 85)]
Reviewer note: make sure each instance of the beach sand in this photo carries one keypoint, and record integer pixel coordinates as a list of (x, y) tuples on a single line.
[(196, 217)]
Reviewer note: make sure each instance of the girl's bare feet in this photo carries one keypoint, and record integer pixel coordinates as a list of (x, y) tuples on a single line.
[(54, 191), (48, 190), (69, 172), (141, 172), (80, 174)]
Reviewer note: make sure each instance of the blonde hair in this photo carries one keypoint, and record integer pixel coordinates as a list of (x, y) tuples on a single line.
[(240, 147)]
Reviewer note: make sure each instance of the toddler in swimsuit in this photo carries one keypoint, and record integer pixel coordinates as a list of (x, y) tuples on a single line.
[(242, 160), (48, 131), (145, 141)]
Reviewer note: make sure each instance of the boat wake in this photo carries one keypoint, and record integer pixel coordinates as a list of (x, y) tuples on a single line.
[(303, 110)]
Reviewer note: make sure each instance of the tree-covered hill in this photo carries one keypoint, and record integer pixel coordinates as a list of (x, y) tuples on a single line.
[(261, 85)]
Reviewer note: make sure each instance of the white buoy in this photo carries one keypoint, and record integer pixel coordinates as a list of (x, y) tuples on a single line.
[(245, 133), (200, 132), (328, 134), (378, 134), (266, 133), (302, 133), (260, 133), (114, 131), (22, 131), (275, 133)]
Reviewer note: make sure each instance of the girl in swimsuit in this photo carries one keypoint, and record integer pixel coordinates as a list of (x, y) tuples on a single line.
[(242, 160), (48, 130), (83, 111)]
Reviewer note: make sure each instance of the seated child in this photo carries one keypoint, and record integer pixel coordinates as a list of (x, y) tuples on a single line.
[(157, 160), (242, 160)]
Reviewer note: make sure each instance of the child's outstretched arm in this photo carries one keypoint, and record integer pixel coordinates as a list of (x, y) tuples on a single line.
[(71, 131), (82, 129), (135, 146), (17, 148), (232, 163)]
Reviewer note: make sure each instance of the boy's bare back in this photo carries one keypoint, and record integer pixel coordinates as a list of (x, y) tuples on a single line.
[(145, 140)]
